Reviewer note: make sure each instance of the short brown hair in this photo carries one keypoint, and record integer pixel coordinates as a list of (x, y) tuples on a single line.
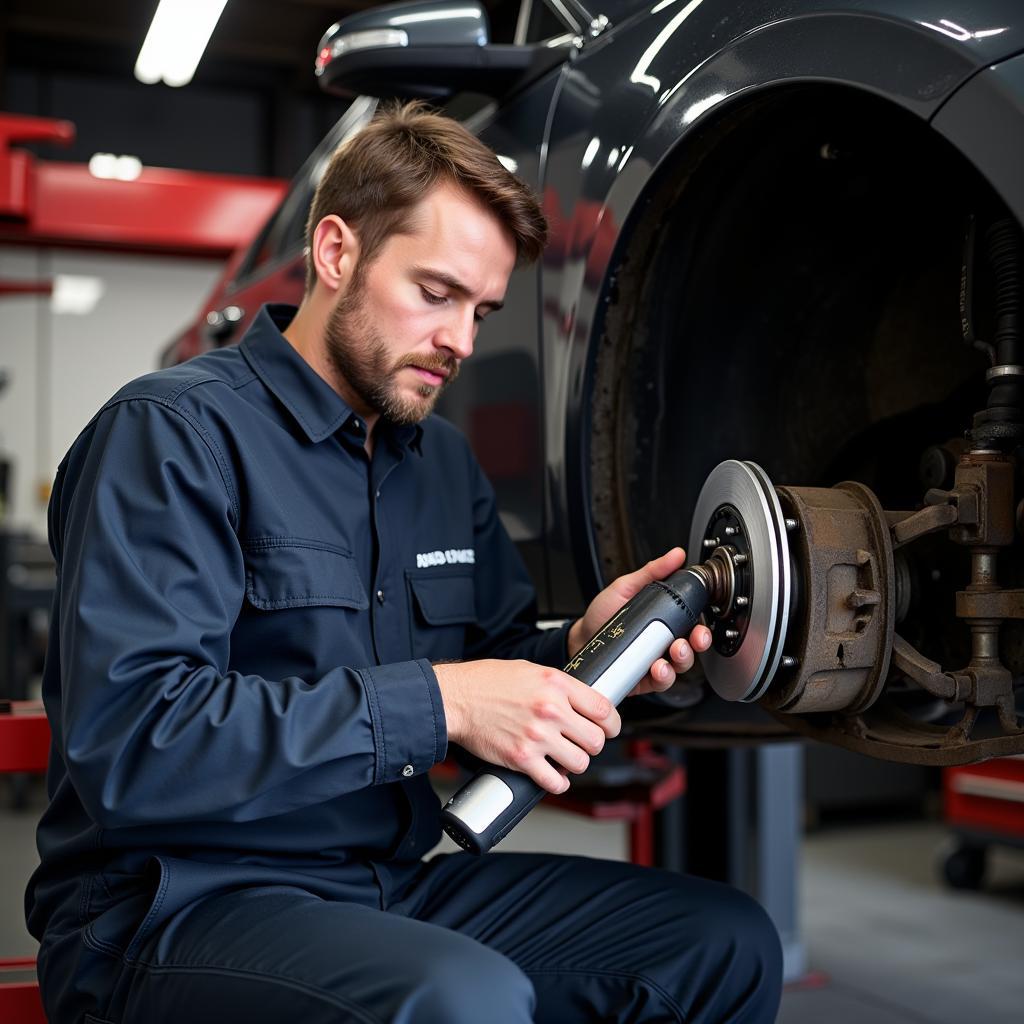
[(375, 177)]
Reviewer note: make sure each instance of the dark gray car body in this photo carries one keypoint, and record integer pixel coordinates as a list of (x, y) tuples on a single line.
[(593, 137), (735, 192)]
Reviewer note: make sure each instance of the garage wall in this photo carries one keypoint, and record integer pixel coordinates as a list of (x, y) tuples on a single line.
[(64, 366)]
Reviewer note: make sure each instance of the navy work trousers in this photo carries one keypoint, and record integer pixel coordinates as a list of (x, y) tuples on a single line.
[(503, 939)]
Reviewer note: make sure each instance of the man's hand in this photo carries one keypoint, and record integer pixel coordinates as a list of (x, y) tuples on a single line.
[(518, 714), (680, 654)]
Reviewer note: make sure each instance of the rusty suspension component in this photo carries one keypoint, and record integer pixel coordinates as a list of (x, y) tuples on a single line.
[(978, 513), (834, 640), (845, 565)]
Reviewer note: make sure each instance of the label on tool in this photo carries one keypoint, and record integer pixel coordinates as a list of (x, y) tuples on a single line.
[(634, 662)]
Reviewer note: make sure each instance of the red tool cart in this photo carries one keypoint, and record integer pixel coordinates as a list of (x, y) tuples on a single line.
[(983, 804), (24, 747)]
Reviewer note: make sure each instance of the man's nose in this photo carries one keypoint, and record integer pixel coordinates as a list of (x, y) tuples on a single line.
[(459, 334)]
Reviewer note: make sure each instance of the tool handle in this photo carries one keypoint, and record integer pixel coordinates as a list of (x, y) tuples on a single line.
[(618, 656)]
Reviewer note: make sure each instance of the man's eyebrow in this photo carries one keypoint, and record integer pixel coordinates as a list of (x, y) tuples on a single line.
[(441, 277)]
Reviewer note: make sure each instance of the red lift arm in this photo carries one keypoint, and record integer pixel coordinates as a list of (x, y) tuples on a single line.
[(163, 211)]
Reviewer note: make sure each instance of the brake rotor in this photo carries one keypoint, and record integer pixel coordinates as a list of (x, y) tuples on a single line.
[(739, 516)]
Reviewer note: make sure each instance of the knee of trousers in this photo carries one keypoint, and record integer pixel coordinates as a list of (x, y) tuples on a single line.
[(744, 931), (467, 986), (741, 956)]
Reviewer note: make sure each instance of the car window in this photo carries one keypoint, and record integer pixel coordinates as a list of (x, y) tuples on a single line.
[(284, 234), (540, 20)]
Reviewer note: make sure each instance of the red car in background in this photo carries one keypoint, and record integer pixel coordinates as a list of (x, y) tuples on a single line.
[(271, 268)]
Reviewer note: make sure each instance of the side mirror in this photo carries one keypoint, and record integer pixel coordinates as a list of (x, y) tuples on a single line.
[(426, 49)]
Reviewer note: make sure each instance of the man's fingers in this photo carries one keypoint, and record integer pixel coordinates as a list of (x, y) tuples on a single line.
[(570, 756), (547, 775), (681, 652), (657, 569), (585, 734), (662, 675), (681, 656), (599, 709), (700, 638), (649, 685)]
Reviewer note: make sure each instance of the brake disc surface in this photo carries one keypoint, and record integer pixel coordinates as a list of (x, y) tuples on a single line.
[(738, 510)]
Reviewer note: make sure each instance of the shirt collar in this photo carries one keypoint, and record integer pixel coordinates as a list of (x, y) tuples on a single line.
[(314, 404)]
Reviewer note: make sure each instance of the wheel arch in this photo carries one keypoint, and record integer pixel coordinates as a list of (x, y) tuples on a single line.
[(795, 57)]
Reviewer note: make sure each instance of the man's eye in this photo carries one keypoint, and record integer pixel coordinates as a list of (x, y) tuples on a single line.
[(434, 300)]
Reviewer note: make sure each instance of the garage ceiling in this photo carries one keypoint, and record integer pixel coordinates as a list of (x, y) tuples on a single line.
[(253, 107), (106, 35), (280, 32)]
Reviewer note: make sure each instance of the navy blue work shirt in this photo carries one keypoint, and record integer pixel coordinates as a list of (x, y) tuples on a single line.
[(239, 674)]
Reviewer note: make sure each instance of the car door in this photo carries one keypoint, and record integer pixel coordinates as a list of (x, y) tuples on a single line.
[(497, 402)]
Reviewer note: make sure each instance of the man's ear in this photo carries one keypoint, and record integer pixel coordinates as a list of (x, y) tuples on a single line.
[(335, 252)]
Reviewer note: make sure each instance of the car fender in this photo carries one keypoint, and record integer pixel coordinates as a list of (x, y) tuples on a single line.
[(602, 158), (984, 119)]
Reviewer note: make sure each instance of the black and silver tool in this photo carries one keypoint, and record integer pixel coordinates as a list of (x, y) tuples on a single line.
[(615, 660), (743, 590)]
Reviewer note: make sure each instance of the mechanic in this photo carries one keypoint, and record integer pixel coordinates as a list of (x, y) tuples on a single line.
[(283, 590)]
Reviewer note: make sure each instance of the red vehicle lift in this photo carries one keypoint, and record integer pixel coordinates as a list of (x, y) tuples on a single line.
[(171, 212)]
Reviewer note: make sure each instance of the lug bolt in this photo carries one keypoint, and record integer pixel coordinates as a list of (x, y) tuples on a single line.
[(739, 559), (715, 610), (742, 602), (711, 542), (788, 661), (731, 531), (791, 525), (731, 634)]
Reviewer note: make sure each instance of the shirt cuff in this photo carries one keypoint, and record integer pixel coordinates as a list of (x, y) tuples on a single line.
[(409, 729)]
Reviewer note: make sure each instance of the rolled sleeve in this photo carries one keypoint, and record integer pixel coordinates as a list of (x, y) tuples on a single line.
[(402, 698)]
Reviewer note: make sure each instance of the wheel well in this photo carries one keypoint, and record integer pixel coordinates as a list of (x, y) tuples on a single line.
[(788, 293)]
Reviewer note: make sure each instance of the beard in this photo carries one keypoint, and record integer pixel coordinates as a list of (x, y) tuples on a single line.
[(359, 354)]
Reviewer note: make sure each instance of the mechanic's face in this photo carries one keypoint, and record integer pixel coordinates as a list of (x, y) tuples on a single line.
[(400, 330)]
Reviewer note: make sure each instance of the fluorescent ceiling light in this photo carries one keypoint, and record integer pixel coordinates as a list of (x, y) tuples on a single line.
[(176, 40), (75, 293), (122, 168)]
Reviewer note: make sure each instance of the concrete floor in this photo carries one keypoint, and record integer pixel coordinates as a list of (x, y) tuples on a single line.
[(896, 946), (885, 941)]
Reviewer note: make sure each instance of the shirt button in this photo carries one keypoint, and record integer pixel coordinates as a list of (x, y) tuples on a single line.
[(377, 495), (380, 596), (357, 425), (408, 771)]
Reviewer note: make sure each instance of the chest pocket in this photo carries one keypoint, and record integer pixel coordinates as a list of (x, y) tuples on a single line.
[(442, 606), (293, 573)]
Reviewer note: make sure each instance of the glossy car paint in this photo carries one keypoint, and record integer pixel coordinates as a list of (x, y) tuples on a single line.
[(631, 101), (592, 135)]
